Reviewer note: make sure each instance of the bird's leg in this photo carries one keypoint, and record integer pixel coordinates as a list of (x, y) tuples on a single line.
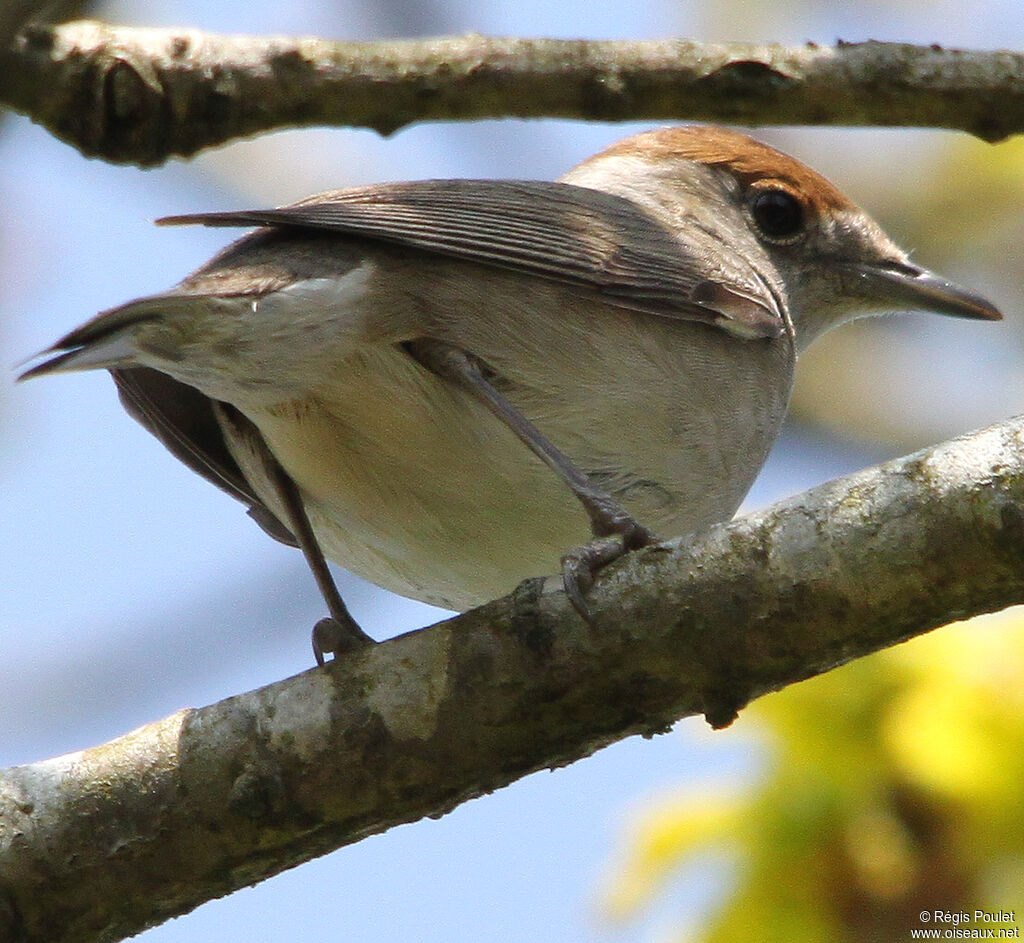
[(339, 632), (614, 528)]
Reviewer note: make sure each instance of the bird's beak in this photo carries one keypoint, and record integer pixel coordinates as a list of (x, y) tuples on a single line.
[(907, 287)]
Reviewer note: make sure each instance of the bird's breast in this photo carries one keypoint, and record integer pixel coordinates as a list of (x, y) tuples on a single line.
[(413, 485)]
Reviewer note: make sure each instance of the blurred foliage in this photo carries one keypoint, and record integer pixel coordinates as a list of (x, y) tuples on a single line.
[(970, 198), (895, 786)]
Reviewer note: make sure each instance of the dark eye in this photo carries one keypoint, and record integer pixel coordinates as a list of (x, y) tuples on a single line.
[(778, 214)]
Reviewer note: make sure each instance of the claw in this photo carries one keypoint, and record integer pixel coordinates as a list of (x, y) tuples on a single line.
[(334, 636), (581, 563)]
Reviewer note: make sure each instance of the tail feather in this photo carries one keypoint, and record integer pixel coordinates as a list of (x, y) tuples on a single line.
[(109, 352), (104, 341)]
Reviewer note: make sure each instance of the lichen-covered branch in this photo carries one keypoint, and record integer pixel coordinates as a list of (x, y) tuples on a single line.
[(97, 845), (144, 95)]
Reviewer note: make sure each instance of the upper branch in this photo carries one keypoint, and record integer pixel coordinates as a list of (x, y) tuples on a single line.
[(144, 95), (99, 844)]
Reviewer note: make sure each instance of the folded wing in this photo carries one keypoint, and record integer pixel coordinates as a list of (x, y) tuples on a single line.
[(596, 241)]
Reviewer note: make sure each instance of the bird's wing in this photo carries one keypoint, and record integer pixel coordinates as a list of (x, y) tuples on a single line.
[(596, 241), (184, 420)]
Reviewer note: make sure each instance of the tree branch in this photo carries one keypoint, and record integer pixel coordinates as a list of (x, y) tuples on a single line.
[(144, 95), (100, 844)]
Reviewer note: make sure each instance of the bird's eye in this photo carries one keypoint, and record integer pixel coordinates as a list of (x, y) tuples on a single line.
[(778, 214)]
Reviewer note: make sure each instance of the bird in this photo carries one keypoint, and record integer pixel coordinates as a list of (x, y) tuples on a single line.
[(449, 386)]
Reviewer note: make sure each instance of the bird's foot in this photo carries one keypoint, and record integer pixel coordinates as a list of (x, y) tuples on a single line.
[(580, 565), (338, 637)]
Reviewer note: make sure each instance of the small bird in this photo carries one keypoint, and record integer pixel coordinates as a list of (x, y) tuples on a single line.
[(446, 386)]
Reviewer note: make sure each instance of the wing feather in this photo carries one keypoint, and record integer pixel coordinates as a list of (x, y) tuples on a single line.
[(596, 241)]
